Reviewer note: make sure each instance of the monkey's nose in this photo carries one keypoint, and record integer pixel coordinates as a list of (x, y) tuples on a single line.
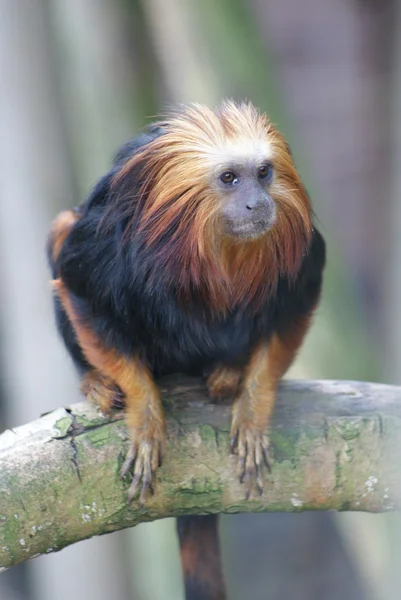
[(252, 203), (255, 202)]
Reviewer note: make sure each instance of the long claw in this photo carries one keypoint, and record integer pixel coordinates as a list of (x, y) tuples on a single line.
[(258, 470), (266, 455), (129, 461), (259, 479), (133, 488), (233, 443), (147, 488), (242, 454)]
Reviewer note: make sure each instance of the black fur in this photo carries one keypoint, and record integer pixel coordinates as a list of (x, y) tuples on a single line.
[(125, 295), (123, 292)]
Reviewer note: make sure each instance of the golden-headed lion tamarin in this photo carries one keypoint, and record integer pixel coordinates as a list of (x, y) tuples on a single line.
[(196, 253)]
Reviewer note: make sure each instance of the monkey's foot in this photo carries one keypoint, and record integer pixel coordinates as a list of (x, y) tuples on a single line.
[(223, 382), (144, 457), (102, 390), (252, 447)]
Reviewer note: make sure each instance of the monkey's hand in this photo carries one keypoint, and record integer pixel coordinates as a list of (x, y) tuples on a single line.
[(146, 424), (144, 456), (145, 421), (102, 390), (248, 438), (223, 382), (116, 379)]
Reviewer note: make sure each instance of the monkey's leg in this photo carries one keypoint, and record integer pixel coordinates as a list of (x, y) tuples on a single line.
[(254, 406), (223, 382), (102, 390), (146, 422), (144, 413)]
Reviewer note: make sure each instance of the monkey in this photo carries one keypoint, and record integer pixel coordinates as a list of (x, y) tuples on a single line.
[(196, 253)]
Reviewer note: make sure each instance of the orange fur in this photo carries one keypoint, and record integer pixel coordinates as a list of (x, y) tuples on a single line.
[(143, 414), (102, 391), (223, 382), (254, 406), (178, 196), (60, 229), (268, 364)]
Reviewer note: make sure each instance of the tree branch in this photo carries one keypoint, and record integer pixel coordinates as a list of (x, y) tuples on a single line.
[(335, 445)]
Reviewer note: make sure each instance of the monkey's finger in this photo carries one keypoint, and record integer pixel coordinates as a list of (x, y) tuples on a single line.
[(129, 461), (248, 479), (250, 463), (234, 442), (266, 453), (156, 456), (259, 457), (146, 479), (248, 486), (138, 474), (242, 454), (147, 488), (133, 487), (137, 477), (259, 479)]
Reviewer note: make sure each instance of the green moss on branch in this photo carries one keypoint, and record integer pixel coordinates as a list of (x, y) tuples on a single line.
[(335, 445)]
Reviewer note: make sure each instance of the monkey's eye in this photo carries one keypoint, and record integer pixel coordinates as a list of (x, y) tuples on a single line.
[(265, 171), (228, 177)]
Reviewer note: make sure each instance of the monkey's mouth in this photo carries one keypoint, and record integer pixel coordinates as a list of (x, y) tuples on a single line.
[(249, 229)]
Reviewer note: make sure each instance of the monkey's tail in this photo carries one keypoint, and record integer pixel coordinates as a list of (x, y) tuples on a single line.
[(200, 557)]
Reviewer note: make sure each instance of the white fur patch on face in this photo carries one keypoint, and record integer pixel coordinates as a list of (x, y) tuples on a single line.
[(238, 151), (236, 135)]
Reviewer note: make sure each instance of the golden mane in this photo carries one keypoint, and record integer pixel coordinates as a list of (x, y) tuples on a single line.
[(176, 208)]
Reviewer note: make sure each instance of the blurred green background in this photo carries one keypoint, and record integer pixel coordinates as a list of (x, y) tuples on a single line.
[(77, 79)]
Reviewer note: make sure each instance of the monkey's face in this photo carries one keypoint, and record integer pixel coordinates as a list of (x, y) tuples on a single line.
[(221, 174), (221, 204), (247, 207)]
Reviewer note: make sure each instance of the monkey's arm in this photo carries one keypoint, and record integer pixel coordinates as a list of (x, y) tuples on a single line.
[(254, 405), (270, 360), (113, 373), (94, 314)]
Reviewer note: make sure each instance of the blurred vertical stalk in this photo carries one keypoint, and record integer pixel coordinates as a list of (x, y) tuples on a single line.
[(392, 360), (100, 76), (179, 45), (35, 181), (96, 79), (393, 287)]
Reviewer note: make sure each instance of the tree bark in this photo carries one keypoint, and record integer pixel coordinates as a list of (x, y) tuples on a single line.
[(335, 445)]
